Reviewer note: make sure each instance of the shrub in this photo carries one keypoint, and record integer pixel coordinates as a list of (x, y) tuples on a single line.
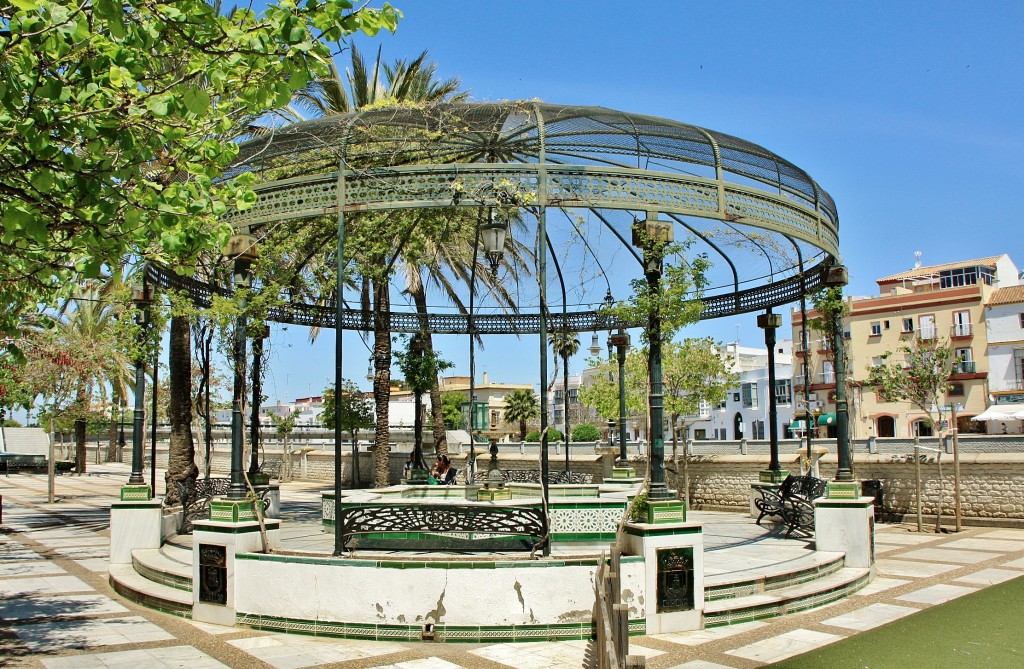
[(553, 435), (585, 432)]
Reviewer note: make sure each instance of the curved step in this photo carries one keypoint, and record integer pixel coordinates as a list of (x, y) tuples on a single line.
[(734, 584), (780, 601), (174, 569), (129, 583)]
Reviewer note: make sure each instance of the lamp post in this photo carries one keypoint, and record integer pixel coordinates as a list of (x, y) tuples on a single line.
[(492, 234), (607, 304), (769, 322), (120, 424), (621, 342), (837, 277), (142, 299), (242, 250)]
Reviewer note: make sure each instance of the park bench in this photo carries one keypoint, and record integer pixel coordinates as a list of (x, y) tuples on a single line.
[(443, 527), (533, 476), (196, 494), (792, 502)]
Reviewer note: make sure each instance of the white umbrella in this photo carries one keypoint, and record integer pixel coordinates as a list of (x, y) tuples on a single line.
[(994, 414)]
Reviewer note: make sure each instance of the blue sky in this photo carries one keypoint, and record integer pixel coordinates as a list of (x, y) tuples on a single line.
[(911, 114)]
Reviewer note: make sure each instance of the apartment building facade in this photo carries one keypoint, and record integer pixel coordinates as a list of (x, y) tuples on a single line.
[(945, 303)]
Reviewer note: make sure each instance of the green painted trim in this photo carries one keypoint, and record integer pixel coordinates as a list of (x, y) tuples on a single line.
[(448, 633), (226, 528), (842, 504), (655, 531), (769, 476), (430, 564), (666, 511), (136, 493)]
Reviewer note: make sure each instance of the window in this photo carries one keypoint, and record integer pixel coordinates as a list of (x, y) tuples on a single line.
[(749, 393), (757, 430), (965, 276), (700, 434), (828, 374), (965, 361), (961, 324), (558, 397), (926, 327), (877, 361), (885, 324), (1018, 366), (955, 390), (908, 325), (574, 395), (735, 397), (1021, 320), (876, 328), (783, 391)]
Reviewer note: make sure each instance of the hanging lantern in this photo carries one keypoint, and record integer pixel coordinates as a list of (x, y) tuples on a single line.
[(492, 234)]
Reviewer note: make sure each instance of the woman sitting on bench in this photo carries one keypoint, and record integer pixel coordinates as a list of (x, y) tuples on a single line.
[(443, 471)]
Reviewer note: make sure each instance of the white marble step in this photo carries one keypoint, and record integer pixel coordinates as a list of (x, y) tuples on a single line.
[(771, 574), (129, 583), (155, 564), (811, 594)]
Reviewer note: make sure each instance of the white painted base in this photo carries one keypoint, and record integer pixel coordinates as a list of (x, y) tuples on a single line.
[(755, 495), (647, 546), (241, 537), (133, 525), (846, 526)]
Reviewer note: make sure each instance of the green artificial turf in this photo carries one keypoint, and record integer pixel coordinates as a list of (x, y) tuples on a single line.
[(980, 630)]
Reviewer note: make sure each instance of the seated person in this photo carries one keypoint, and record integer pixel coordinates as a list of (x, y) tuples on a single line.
[(446, 474)]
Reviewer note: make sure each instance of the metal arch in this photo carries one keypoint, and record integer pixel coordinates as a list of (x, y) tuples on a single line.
[(428, 186), (296, 313)]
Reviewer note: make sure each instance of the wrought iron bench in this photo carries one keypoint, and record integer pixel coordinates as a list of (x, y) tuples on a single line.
[(196, 494), (533, 476), (447, 527), (792, 502)]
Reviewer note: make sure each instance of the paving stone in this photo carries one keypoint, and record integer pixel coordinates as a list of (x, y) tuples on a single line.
[(904, 538), (697, 637), (870, 616), (947, 555), (893, 567), (880, 584), (89, 633), (285, 651), (422, 663), (42, 585), (776, 648), (980, 544), (1014, 564), (172, 657), (63, 606), (700, 664), (33, 568), (989, 576), (936, 594)]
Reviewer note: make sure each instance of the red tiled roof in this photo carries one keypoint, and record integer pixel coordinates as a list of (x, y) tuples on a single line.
[(1008, 295)]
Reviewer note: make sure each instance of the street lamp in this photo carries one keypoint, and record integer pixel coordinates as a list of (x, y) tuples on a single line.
[(492, 234), (621, 342), (142, 299), (769, 322), (242, 250), (609, 302)]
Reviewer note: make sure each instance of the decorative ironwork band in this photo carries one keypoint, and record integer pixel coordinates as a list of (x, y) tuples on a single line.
[(382, 518), (420, 186), (313, 315)]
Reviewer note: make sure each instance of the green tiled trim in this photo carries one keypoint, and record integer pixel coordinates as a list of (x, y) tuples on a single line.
[(775, 609), (163, 577), (232, 510), (755, 586), (493, 494), (151, 602), (655, 531), (623, 473), (136, 493), (247, 528), (768, 476), (429, 564), (842, 490), (442, 632), (667, 511)]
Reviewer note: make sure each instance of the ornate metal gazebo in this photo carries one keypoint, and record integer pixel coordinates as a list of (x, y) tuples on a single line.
[(586, 176)]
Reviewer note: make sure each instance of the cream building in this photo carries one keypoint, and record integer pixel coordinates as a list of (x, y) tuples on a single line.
[(942, 302)]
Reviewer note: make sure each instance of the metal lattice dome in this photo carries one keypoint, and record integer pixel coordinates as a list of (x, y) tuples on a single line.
[(768, 229)]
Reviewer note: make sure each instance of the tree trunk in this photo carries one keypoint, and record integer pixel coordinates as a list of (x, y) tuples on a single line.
[(80, 458), (381, 383), (436, 409), (181, 457), (115, 400)]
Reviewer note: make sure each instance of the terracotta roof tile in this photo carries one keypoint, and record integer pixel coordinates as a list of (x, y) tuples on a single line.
[(1008, 295)]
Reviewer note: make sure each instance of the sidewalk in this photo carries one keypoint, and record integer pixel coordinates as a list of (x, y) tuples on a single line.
[(57, 610)]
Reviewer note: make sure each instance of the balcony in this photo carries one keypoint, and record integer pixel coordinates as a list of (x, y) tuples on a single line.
[(926, 332), (964, 367), (961, 330), (826, 377)]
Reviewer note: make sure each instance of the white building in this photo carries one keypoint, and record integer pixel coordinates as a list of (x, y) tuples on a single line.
[(1004, 319)]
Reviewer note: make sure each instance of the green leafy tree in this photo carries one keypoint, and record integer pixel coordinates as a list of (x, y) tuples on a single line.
[(284, 426), (565, 345), (920, 378), (357, 414), (115, 123), (600, 390), (451, 405), (521, 406), (553, 435)]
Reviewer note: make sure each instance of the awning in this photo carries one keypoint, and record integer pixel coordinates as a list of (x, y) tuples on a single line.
[(797, 426), (1001, 412), (827, 419)]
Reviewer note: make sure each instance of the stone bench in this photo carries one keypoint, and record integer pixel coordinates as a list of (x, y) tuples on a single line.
[(443, 527), (792, 502)]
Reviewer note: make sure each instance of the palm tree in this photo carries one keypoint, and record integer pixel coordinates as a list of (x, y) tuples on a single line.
[(565, 345), (363, 86), (521, 406)]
